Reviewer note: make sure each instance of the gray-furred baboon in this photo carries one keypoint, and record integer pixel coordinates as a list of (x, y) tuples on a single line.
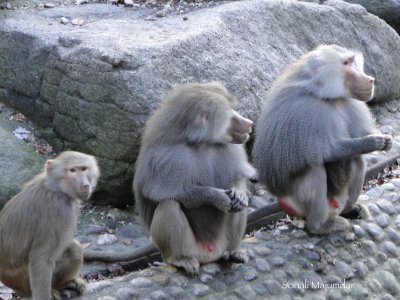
[(38, 255), (190, 177), (311, 134)]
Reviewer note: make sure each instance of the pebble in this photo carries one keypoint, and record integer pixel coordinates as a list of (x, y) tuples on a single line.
[(250, 274), (334, 295), (373, 208), (343, 270), (330, 278), (360, 269), (278, 261), (48, 5), (298, 234), (107, 239), (386, 206), (160, 14), (259, 288), (158, 295), (358, 292), (313, 279), (373, 285), (374, 230), (91, 229), (141, 282), (387, 297), (375, 192), (371, 263), (388, 187), (388, 282), (261, 250), (396, 182), (262, 265), (97, 286), (395, 266), (359, 231), (383, 220), (126, 293), (274, 287), (349, 236), (293, 271), (175, 291), (64, 20), (128, 3), (245, 292), (369, 246), (205, 278), (390, 249), (211, 268)]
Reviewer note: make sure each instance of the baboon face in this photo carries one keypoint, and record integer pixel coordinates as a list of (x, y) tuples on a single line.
[(240, 128), (359, 85)]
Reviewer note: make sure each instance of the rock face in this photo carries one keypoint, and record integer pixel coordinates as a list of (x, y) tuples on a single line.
[(18, 161), (94, 84), (388, 10)]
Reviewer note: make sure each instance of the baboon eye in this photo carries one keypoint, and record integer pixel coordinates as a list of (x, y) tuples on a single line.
[(72, 170), (346, 62), (83, 169)]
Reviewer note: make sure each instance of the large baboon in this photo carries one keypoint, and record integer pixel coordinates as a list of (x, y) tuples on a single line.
[(38, 255), (190, 178), (311, 134)]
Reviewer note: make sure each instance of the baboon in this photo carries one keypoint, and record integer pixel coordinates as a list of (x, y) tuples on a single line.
[(38, 255), (311, 134), (190, 176)]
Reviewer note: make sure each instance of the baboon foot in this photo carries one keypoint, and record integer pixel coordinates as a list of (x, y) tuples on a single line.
[(73, 288), (237, 256), (190, 265), (358, 211), (337, 224)]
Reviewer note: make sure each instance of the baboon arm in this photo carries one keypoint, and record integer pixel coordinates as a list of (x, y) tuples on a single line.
[(350, 147)]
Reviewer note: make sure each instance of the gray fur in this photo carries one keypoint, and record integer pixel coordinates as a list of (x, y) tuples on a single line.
[(305, 145), (193, 167)]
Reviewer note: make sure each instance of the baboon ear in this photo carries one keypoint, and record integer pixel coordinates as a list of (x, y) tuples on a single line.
[(48, 167)]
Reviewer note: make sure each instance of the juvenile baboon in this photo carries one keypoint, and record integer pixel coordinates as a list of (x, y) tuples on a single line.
[(190, 177), (38, 255), (311, 134)]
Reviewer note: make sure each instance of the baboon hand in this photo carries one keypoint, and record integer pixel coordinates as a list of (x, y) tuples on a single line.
[(239, 199), (223, 202), (381, 142)]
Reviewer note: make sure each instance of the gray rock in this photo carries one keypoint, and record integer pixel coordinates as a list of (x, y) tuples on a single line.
[(141, 282), (94, 99), (358, 292), (387, 10), (374, 285), (383, 220), (250, 274), (126, 293), (245, 292), (277, 261), (390, 249), (18, 162), (359, 232), (200, 290), (369, 247), (158, 295), (262, 265), (394, 236), (386, 206), (313, 279), (211, 268), (259, 288), (388, 282), (374, 230), (130, 231), (343, 270), (360, 269), (274, 287), (375, 192), (106, 239)]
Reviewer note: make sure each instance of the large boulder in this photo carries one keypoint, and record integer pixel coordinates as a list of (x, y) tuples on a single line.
[(94, 85), (388, 10)]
